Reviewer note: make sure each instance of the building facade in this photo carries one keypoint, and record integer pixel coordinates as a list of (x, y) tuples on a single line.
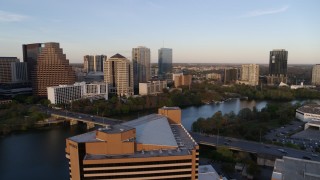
[(214, 76), (231, 75), (93, 63), (141, 65), (165, 61), (278, 61), (309, 112), (163, 150), (152, 87), (64, 94), (316, 75), (249, 74), (182, 80), (48, 66), (12, 70), (118, 73)]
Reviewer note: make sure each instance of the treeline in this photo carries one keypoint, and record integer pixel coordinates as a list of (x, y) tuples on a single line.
[(118, 106), (247, 124), (18, 116)]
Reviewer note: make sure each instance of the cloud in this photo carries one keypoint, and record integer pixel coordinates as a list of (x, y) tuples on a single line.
[(263, 12), (11, 17)]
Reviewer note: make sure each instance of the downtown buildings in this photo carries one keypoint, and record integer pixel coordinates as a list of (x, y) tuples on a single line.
[(118, 73), (47, 66), (278, 61), (155, 146), (316, 75), (12, 70), (141, 65), (94, 63)]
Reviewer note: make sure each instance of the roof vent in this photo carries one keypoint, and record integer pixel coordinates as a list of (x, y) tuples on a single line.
[(142, 152), (178, 150), (121, 130)]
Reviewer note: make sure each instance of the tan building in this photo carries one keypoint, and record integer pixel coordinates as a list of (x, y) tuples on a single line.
[(93, 63), (118, 73), (316, 75), (12, 70), (214, 76), (182, 80), (249, 74), (156, 146), (48, 65), (152, 87)]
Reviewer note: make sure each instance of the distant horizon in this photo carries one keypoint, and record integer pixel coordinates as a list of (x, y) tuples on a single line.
[(209, 30)]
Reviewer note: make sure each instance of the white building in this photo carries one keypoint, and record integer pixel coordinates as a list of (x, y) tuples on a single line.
[(153, 87), (309, 112), (316, 75), (301, 86), (66, 93), (249, 74)]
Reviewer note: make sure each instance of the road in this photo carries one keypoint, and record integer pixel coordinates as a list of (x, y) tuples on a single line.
[(253, 147)]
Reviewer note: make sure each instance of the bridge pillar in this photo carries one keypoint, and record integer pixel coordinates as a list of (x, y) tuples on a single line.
[(90, 125), (73, 122)]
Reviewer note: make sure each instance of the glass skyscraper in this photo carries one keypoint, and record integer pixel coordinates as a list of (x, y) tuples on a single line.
[(165, 61)]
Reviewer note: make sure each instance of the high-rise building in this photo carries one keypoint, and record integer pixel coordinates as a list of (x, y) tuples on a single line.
[(230, 75), (12, 70), (181, 79), (48, 66), (316, 75), (94, 63), (249, 74), (118, 73), (278, 66), (141, 65), (155, 146), (165, 61)]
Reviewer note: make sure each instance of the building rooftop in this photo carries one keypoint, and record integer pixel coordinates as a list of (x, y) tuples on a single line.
[(310, 108), (116, 129), (207, 172), (117, 56)]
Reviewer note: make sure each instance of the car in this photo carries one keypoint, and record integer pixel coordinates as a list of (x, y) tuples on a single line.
[(314, 155), (91, 116), (266, 146), (225, 143), (80, 117), (283, 151)]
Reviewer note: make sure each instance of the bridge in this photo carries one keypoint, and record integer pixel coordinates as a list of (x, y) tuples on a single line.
[(266, 153), (90, 120)]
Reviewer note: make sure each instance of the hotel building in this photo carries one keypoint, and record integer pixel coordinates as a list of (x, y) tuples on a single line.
[(66, 93), (156, 146), (47, 66), (118, 73)]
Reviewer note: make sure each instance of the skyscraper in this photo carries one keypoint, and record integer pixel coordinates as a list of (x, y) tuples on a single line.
[(316, 75), (165, 61), (249, 74), (230, 75), (94, 63), (141, 65), (48, 66), (118, 72), (278, 66)]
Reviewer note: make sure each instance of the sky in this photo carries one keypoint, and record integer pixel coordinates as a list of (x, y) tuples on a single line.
[(198, 31)]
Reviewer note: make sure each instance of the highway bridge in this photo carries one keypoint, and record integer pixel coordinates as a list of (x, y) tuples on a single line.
[(90, 120), (266, 153)]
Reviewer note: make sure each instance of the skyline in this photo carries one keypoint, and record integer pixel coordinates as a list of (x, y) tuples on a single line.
[(206, 32)]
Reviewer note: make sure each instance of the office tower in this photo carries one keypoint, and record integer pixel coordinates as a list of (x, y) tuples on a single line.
[(165, 61), (48, 65), (249, 74), (141, 65), (156, 146), (152, 87), (118, 73), (316, 75), (230, 75), (12, 70), (94, 63), (278, 66)]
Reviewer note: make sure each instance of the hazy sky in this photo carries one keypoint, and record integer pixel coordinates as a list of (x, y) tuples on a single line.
[(212, 31)]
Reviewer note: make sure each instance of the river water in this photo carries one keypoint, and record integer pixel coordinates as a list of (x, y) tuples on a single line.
[(40, 154)]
